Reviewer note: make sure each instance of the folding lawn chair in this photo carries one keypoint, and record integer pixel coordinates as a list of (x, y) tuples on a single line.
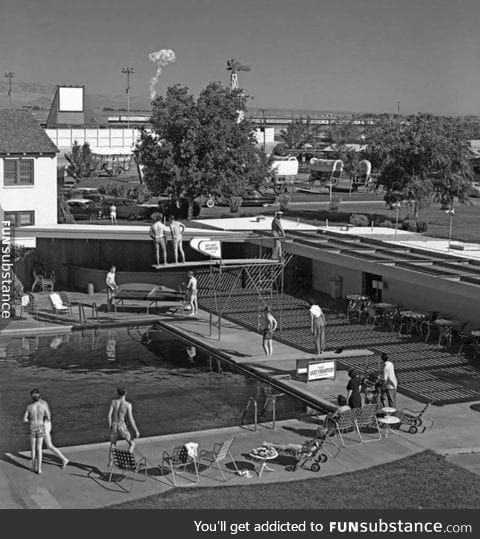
[(218, 454), (125, 461), (179, 460), (57, 304)]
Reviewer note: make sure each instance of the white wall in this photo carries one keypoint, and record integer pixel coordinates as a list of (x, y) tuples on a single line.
[(115, 137), (41, 197), (269, 135)]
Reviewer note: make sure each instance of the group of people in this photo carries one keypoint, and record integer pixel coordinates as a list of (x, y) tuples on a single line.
[(158, 233), (385, 388), (317, 328), (38, 416)]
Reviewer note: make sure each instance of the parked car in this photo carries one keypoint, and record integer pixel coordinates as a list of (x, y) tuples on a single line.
[(474, 190), (84, 208), (251, 198), (126, 208)]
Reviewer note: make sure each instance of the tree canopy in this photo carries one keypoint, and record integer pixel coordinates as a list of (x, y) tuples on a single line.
[(424, 157), (298, 133), (201, 146)]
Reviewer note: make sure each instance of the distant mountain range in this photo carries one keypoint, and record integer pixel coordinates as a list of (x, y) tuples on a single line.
[(39, 97), (33, 95)]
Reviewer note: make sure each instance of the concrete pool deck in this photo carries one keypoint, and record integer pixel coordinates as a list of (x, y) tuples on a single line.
[(84, 483)]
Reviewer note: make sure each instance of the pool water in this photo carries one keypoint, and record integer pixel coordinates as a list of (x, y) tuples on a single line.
[(173, 388)]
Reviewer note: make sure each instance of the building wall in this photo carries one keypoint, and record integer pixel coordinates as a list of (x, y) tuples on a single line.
[(115, 137), (426, 299), (323, 272), (416, 297), (40, 197)]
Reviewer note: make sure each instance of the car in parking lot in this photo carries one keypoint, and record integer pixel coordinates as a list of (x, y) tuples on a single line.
[(126, 208), (85, 209), (251, 198), (474, 190)]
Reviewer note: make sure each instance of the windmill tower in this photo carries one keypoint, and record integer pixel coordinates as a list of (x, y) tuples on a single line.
[(234, 67)]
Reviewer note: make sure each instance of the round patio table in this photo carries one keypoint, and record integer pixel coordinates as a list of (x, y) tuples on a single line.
[(263, 457), (388, 421), (413, 320), (388, 410)]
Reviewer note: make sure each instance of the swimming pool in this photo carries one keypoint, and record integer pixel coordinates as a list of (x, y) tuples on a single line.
[(172, 389)]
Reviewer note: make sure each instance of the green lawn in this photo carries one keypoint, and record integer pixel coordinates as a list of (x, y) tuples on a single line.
[(422, 481), (466, 222)]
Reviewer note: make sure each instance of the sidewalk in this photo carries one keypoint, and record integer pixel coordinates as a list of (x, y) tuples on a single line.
[(84, 483)]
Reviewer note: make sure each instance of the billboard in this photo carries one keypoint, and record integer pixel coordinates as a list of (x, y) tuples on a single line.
[(70, 99)]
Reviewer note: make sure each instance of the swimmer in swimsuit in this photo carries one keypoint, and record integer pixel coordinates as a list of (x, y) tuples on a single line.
[(269, 326), (36, 414), (120, 410)]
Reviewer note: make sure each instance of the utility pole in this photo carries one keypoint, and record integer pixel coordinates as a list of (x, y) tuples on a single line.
[(264, 127), (398, 108), (9, 75), (128, 71)]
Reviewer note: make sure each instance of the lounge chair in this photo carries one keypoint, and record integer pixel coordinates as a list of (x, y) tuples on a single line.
[(125, 461), (57, 304), (218, 454), (179, 460)]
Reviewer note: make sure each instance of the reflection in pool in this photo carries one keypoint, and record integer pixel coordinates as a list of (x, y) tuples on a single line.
[(173, 386)]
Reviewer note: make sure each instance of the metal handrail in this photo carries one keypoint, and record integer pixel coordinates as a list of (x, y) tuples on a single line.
[(255, 412), (81, 313)]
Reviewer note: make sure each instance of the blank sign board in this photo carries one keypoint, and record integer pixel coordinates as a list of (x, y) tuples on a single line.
[(70, 99)]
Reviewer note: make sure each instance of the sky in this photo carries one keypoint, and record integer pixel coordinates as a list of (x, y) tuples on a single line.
[(352, 55)]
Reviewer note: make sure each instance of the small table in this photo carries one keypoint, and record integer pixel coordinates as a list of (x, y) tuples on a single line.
[(263, 459), (388, 410), (388, 420)]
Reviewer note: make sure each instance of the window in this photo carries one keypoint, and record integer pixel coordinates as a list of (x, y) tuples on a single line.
[(18, 171), (20, 218)]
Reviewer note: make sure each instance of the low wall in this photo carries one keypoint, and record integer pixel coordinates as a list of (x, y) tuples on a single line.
[(79, 278)]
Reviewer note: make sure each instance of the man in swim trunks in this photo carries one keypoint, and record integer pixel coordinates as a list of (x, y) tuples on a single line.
[(269, 326), (157, 233), (120, 409), (36, 414)]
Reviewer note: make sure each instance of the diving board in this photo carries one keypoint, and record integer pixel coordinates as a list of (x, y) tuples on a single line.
[(218, 262)]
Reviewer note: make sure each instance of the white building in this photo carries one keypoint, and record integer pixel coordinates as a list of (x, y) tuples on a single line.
[(28, 171)]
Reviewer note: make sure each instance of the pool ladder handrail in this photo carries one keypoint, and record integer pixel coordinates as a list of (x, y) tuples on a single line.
[(270, 397), (82, 316)]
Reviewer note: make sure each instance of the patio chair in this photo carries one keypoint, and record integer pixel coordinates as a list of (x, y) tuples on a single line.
[(217, 454), (57, 304), (372, 316), (366, 417), (345, 422), (125, 461), (179, 460), (45, 280)]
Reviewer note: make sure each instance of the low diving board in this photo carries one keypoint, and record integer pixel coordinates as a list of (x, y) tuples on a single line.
[(218, 262)]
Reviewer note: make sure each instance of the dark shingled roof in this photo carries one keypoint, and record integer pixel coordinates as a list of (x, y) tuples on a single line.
[(21, 133)]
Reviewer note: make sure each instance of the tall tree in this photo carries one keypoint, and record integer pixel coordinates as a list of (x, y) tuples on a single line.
[(421, 158), (298, 133), (200, 146)]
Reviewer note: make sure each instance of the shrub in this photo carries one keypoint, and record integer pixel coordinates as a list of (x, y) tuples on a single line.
[(359, 220), (334, 216), (335, 202), (422, 225), (283, 201), (410, 225), (387, 224), (235, 202)]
